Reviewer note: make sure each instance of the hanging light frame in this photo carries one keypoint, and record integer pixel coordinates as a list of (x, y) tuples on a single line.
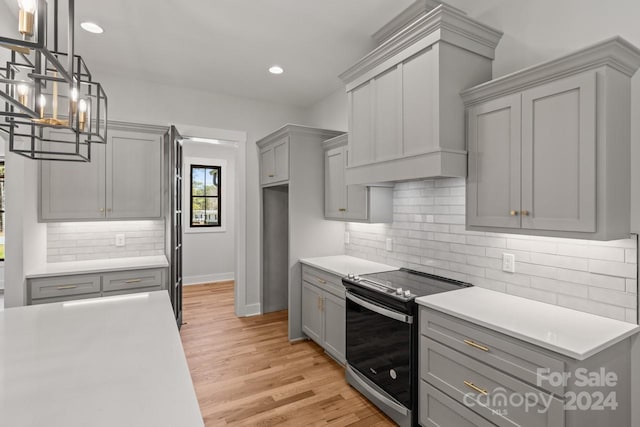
[(65, 137)]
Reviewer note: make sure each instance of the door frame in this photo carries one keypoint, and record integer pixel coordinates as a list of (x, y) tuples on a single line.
[(239, 138)]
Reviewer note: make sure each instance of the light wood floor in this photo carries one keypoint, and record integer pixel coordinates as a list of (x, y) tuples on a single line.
[(246, 372)]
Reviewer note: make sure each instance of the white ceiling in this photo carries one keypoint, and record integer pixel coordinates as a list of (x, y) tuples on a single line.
[(227, 46)]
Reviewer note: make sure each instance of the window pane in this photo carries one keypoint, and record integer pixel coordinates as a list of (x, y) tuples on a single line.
[(197, 181), (198, 211), (212, 182), (212, 215)]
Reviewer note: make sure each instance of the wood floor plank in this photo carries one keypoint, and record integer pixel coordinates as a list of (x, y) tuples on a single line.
[(246, 372)]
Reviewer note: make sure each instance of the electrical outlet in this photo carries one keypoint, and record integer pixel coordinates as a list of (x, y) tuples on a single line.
[(346, 237), (388, 245), (120, 239), (509, 263)]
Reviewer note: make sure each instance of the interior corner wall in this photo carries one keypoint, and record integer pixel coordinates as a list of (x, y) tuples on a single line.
[(330, 112)]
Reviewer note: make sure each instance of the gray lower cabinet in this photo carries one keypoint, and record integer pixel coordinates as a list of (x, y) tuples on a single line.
[(122, 181), (324, 311), (474, 376), (44, 290)]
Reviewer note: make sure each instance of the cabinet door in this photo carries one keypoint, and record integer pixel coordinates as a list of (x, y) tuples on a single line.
[(559, 155), (493, 183), (387, 101), (334, 326), (419, 103), (334, 188), (134, 177), (267, 165), (312, 312), (361, 125), (281, 159), (73, 190), (357, 198)]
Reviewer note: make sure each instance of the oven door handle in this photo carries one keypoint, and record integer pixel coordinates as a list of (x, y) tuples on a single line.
[(380, 310)]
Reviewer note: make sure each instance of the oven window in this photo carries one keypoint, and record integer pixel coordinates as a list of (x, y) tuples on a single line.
[(380, 348)]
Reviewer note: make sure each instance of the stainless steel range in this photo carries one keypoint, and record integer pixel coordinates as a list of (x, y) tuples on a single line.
[(382, 337)]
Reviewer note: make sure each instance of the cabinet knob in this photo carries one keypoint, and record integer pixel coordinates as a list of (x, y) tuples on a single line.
[(525, 213), (108, 209), (101, 210), (342, 210), (271, 175), (514, 213)]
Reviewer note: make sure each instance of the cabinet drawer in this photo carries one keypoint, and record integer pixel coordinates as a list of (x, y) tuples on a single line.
[(327, 281), (439, 410), (131, 291), (498, 397), (502, 352), (136, 279), (56, 287)]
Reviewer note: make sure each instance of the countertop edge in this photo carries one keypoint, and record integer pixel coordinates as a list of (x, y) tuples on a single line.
[(97, 269), (528, 339)]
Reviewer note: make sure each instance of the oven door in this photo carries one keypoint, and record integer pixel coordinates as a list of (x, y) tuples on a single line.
[(379, 345)]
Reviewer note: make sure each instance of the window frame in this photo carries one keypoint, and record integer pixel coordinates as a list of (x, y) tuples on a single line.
[(204, 196)]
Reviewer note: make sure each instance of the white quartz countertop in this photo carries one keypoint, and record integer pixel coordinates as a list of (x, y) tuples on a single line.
[(342, 265), (569, 332), (114, 361), (97, 266)]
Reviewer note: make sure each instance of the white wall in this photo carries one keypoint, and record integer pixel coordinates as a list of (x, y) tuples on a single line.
[(330, 112), (209, 254)]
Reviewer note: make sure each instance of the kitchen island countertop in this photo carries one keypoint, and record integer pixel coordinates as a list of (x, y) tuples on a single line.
[(113, 361)]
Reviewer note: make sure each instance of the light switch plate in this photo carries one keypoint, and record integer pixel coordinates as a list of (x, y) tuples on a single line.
[(509, 263), (388, 245), (120, 239)]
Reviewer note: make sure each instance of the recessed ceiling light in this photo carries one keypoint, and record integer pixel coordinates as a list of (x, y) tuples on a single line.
[(92, 27), (276, 69)]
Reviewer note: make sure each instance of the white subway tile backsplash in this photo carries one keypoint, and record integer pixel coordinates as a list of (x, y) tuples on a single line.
[(96, 240), (429, 235)]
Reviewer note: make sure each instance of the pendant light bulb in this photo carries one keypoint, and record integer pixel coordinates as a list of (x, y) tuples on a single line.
[(82, 117), (28, 6), (42, 102), (26, 16), (74, 95), (23, 93)]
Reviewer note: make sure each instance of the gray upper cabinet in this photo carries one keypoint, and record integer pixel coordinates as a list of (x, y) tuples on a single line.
[(122, 181), (274, 162), (134, 175), (406, 118), (549, 147), (357, 203)]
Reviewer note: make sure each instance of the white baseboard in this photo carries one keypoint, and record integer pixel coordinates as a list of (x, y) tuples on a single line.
[(207, 278), (252, 310)]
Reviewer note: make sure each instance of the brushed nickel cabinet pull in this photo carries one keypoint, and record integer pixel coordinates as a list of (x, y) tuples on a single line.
[(64, 287), (476, 388), (322, 281), (134, 281), (319, 303), (476, 345), (342, 210), (271, 175), (513, 213)]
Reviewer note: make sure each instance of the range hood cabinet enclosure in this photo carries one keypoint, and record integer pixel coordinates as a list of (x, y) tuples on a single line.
[(406, 117)]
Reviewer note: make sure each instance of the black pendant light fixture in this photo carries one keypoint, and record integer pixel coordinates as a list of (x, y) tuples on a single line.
[(53, 109)]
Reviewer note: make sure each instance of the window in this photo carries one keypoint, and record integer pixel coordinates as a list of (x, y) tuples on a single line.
[(205, 196)]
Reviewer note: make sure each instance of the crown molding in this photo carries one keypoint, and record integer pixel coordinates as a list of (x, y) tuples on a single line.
[(614, 52), (444, 23), (289, 129), (338, 141), (131, 126)]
